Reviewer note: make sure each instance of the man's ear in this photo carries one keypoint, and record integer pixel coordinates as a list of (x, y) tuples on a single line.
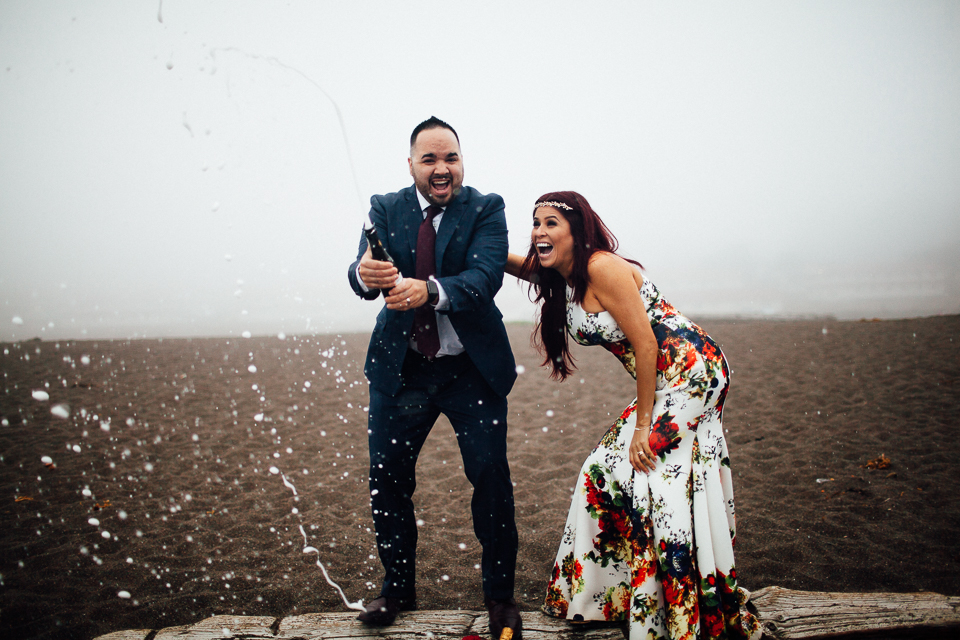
[(410, 165)]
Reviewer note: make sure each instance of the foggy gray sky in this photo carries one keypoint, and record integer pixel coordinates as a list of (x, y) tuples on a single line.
[(176, 169)]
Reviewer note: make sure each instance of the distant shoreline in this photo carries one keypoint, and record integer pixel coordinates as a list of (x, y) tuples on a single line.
[(703, 319)]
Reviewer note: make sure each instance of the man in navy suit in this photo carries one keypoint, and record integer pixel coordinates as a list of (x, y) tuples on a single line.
[(439, 346)]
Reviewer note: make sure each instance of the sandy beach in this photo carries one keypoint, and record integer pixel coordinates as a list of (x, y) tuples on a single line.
[(153, 483)]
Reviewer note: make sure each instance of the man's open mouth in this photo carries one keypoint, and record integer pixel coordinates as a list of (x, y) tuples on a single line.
[(440, 184)]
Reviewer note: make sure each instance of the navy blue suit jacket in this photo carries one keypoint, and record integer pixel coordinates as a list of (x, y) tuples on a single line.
[(471, 251)]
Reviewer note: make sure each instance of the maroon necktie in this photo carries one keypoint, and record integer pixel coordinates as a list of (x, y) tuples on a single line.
[(425, 332)]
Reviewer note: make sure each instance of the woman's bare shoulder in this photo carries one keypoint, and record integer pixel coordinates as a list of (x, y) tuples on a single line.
[(604, 263), (610, 270), (604, 260)]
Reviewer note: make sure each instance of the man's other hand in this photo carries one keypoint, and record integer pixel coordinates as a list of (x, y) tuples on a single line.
[(409, 294)]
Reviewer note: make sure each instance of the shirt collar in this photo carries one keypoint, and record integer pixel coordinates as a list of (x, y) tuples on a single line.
[(424, 203)]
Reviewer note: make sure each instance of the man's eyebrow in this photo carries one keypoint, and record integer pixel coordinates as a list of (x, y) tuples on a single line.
[(431, 154)]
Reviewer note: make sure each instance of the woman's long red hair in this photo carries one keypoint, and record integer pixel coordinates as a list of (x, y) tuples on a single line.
[(590, 235)]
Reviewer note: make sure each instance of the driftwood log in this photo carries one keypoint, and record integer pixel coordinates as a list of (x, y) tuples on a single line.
[(784, 614), (418, 625), (787, 614)]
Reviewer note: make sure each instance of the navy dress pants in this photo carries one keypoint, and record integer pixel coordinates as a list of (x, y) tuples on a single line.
[(398, 427)]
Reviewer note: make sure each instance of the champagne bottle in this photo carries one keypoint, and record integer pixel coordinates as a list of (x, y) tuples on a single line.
[(377, 250)]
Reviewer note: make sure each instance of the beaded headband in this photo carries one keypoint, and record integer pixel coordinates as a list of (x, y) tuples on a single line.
[(556, 205)]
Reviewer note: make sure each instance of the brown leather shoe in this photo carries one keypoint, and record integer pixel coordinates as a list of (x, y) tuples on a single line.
[(504, 614), (383, 611)]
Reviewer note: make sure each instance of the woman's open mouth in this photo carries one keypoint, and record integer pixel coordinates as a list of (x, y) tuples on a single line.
[(544, 249)]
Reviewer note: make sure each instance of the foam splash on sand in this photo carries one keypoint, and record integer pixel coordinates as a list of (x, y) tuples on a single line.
[(358, 605)]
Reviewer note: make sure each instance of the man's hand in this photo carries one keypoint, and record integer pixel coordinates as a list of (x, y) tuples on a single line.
[(409, 294), (377, 274)]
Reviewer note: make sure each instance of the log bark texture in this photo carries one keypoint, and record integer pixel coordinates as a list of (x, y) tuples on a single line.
[(416, 625), (787, 614), (784, 614)]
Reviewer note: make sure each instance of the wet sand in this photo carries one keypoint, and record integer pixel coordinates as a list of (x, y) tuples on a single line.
[(160, 485)]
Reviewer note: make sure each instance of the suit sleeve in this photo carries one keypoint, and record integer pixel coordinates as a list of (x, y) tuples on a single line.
[(475, 286), (379, 218)]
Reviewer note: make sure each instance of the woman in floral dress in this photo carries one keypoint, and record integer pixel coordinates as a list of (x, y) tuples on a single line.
[(650, 534)]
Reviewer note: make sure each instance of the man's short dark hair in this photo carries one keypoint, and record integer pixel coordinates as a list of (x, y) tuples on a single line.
[(433, 122)]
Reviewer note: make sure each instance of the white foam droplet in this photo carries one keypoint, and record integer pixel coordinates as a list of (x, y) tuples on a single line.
[(46, 460), (76, 448), (282, 335), (123, 594), (41, 395), (549, 413), (252, 368), (258, 417), (60, 410), (274, 470), (106, 535), (246, 334), (16, 320), (94, 522), (86, 493), (521, 369), (85, 359)]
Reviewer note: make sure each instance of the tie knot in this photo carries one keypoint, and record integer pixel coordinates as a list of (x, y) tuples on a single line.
[(432, 211)]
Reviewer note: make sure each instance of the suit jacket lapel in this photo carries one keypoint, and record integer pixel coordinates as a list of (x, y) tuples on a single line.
[(412, 216), (448, 225)]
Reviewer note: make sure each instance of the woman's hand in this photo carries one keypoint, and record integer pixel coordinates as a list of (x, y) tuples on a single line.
[(641, 456)]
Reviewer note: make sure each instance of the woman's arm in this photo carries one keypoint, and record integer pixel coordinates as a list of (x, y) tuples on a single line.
[(514, 263), (616, 285)]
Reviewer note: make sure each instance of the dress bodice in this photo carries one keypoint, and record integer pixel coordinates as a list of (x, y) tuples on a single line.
[(679, 340)]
